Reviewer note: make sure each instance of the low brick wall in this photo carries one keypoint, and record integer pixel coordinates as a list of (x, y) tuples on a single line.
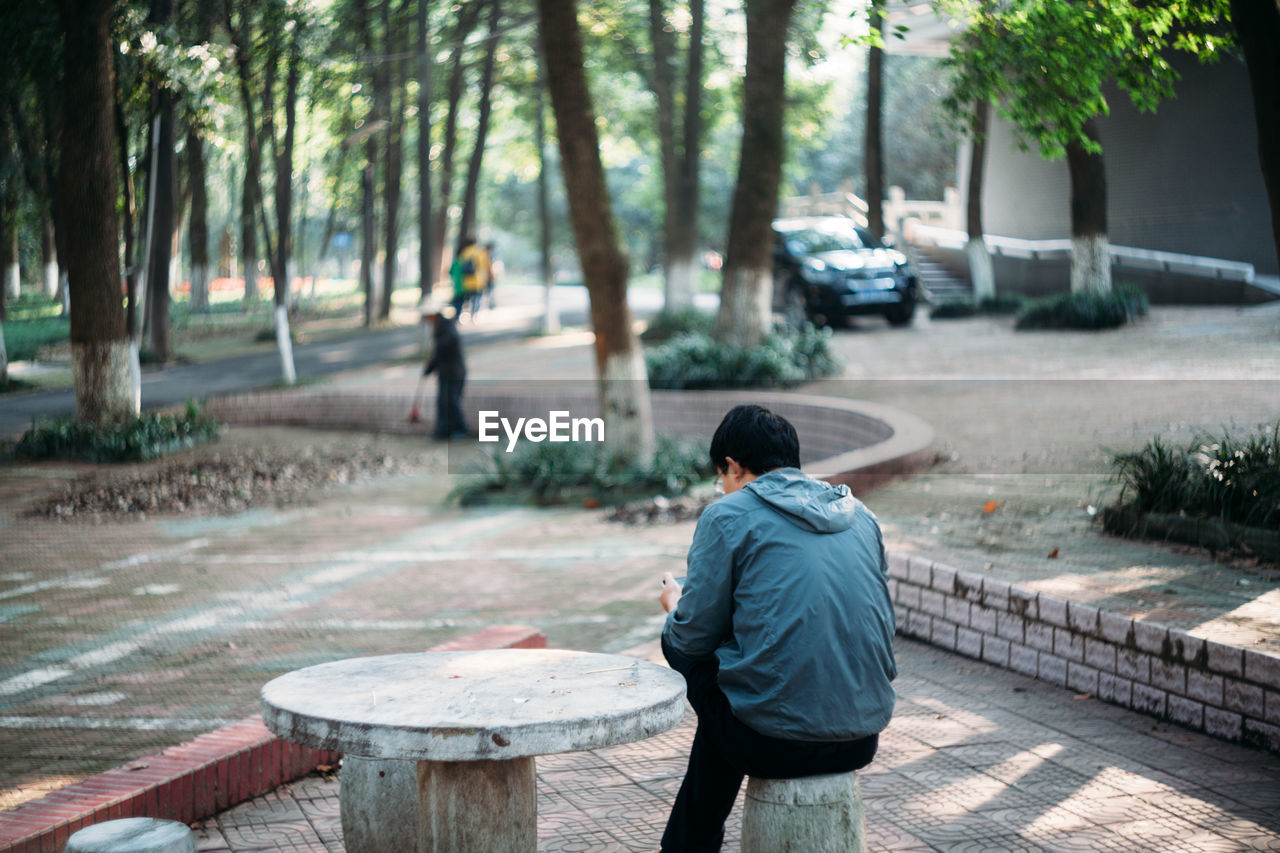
[(1225, 691), (199, 778), (844, 441)]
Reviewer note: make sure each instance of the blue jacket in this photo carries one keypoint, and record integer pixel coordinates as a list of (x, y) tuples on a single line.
[(787, 586)]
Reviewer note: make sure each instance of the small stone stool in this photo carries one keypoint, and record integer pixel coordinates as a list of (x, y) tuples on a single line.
[(816, 814), (133, 835)]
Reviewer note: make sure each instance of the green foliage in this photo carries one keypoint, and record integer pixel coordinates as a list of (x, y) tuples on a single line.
[(666, 324), (1086, 310), (999, 305), (23, 339), (548, 473), (1237, 481), (695, 360), (147, 437), (1044, 62)]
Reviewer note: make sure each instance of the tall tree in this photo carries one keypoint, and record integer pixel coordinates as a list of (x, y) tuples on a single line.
[(682, 243), (550, 319), (875, 110), (624, 390), (1044, 63), (981, 273), (1257, 24), (468, 16), (251, 192), (747, 290), (395, 46), (468, 225), (87, 196), (426, 241)]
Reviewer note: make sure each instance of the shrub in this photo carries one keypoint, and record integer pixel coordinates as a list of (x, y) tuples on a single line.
[(1224, 478), (1001, 304), (668, 324), (694, 360), (1086, 310), (147, 437), (553, 473)]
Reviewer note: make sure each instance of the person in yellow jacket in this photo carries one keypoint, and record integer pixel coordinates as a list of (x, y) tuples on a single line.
[(475, 272)]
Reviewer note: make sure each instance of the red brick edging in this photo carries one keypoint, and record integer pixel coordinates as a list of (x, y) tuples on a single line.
[(199, 778)]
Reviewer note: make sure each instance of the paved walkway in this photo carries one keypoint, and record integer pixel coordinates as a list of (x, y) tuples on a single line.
[(124, 638), (976, 758)]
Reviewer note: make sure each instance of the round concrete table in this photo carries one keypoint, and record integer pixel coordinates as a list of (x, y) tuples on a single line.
[(474, 722)]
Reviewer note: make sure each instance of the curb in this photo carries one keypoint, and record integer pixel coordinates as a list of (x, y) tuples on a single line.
[(199, 778), (1225, 691)]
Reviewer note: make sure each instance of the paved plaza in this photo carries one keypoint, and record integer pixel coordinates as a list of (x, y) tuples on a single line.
[(122, 638)]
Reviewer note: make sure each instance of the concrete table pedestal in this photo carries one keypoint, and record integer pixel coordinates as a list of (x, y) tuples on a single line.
[(472, 722)]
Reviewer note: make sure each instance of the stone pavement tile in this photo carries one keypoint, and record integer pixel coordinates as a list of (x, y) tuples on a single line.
[(661, 768), (573, 782), (884, 835), (1258, 795)]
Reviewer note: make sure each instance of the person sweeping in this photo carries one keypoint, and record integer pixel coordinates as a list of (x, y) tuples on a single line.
[(446, 361)]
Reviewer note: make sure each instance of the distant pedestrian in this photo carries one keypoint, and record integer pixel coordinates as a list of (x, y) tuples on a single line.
[(447, 363), (475, 273), (458, 276), (495, 270)]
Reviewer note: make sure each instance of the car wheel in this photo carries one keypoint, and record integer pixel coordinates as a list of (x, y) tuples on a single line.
[(901, 314)]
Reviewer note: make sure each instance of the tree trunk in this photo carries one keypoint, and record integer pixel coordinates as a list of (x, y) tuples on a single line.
[(282, 269), (981, 273), (746, 293), (468, 226), (198, 233), (1090, 249), (875, 136), (624, 389), (129, 210), (368, 243), (251, 198), (682, 246), (49, 259), (395, 44), (467, 18), (162, 244), (87, 195), (550, 318), (1257, 24), (663, 42), (426, 241)]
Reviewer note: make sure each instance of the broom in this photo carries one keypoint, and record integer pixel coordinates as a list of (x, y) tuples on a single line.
[(415, 411)]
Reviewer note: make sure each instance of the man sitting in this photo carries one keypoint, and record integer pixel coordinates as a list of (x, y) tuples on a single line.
[(783, 629)]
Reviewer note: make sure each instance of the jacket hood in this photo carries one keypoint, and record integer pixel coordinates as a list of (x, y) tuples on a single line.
[(811, 504)]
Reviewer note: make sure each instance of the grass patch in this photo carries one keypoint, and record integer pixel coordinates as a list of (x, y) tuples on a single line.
[(667, 324), (571, 472), (147, 437), (695, 360), (1086, 311), (24, 338), (1236, 481)]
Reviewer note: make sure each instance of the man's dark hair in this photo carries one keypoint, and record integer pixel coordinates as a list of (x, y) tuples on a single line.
[(756, 439)]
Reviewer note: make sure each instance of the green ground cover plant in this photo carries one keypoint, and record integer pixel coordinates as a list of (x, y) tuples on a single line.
[(999, 305), (569, 472), (688, 357), (1085, 311), (150, 436), (1234, 480)]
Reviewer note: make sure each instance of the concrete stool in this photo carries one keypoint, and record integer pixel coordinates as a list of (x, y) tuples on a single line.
[(816, 814), (133, 835)]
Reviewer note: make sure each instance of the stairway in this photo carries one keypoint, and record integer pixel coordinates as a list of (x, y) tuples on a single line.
[(939, 282)]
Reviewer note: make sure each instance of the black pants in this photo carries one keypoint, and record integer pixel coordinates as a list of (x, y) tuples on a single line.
[(725, 750), (450, 421)]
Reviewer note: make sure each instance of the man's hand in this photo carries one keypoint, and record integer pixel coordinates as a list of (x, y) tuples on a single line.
[(670, 595)]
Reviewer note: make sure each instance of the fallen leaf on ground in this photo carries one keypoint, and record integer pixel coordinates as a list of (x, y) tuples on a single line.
[(1053, 555)]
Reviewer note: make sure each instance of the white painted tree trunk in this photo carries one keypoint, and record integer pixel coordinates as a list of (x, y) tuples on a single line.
[(135, 375), (1090, 264), (746, 307), (981, 273), (64, 291), (681, 275), (284, 345), (51, 279), (550, 316), (627, 409), (103, 381), (199, 288), (12, 281)]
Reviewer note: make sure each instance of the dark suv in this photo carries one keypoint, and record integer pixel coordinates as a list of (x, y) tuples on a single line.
[(827, 269)]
